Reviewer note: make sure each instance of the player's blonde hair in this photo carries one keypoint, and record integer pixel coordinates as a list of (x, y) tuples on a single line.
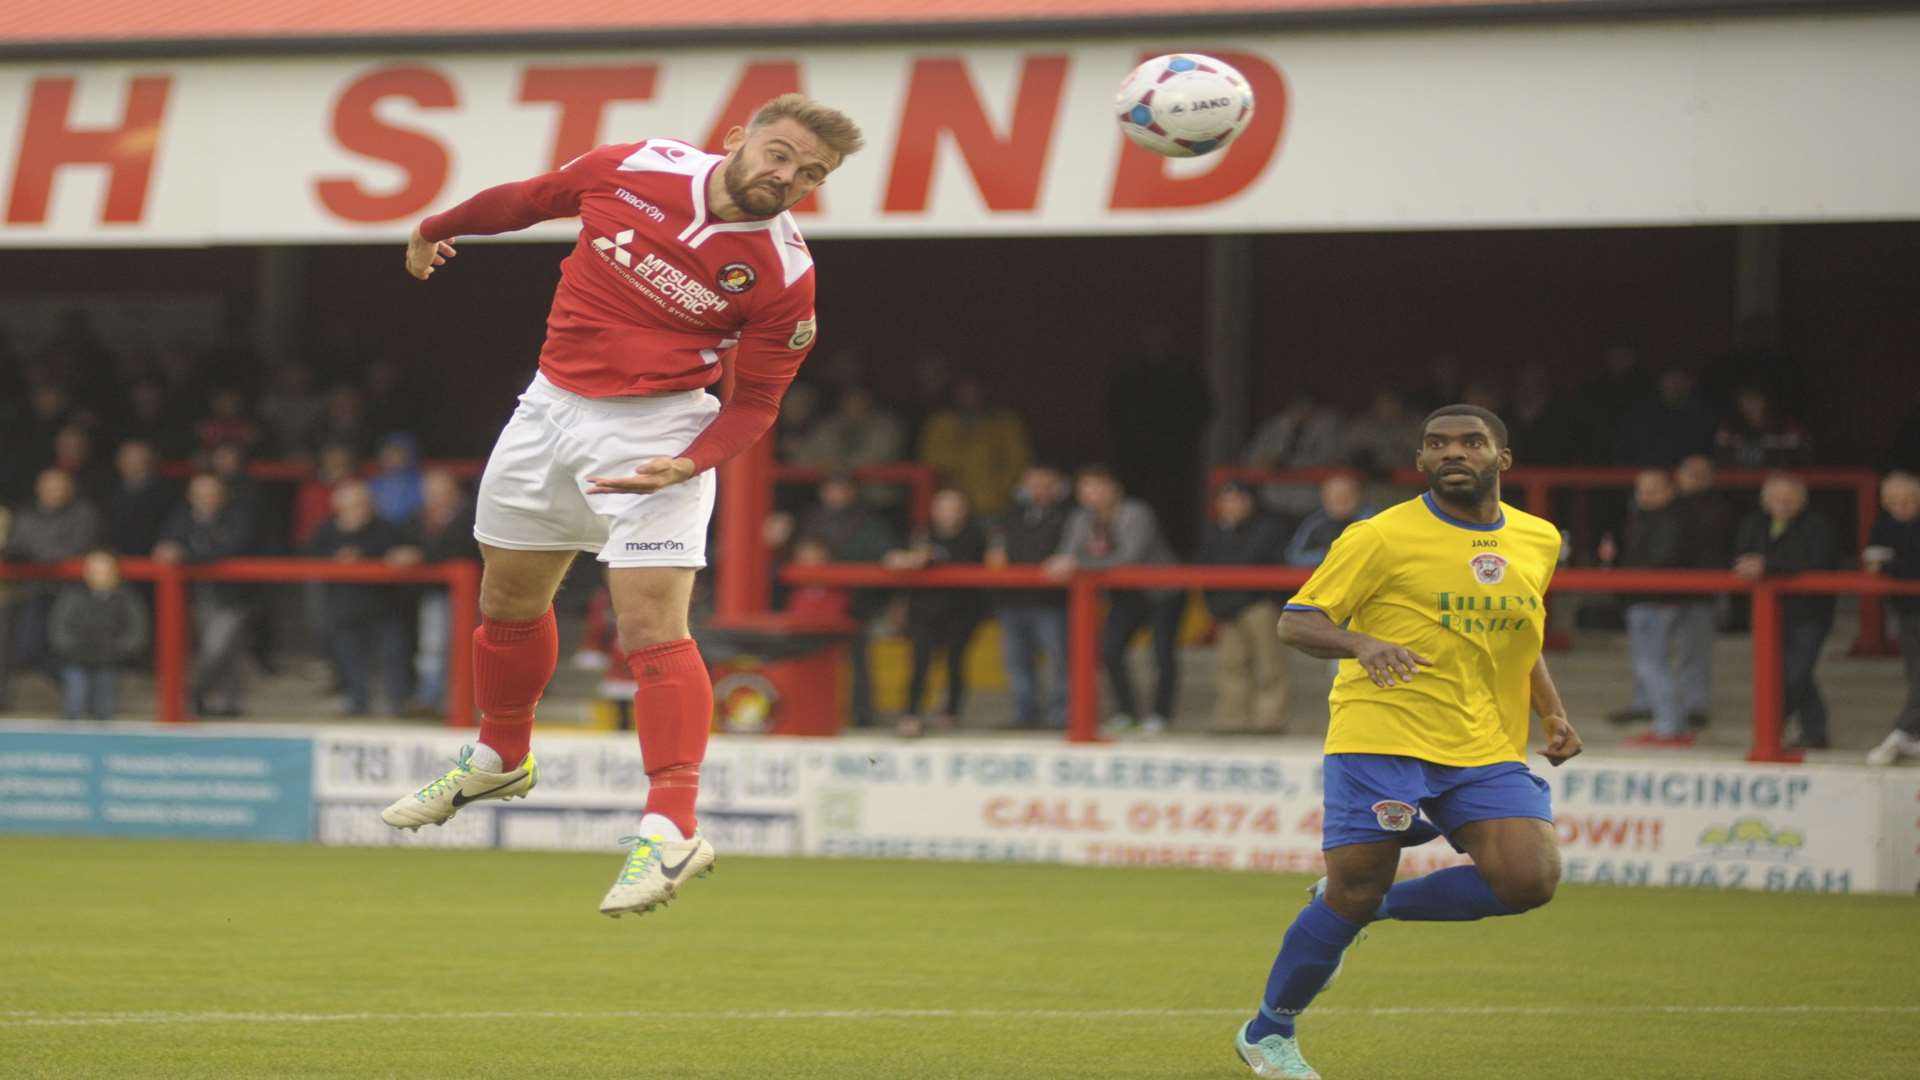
[(829, 125)]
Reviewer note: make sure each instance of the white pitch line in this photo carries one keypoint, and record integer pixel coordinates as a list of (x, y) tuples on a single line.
[(27, 1019)]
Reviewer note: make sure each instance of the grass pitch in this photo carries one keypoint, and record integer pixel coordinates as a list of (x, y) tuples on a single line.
[(133, 959)]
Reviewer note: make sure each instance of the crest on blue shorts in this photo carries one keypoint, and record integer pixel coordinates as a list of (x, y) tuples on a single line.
[(1394, 815)]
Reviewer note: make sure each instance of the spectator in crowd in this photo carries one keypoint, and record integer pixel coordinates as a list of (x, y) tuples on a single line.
[(1756, 437), (366, 623), (1111, 529), (442, 532), (1893, 549), (97, 628), (313, 500), (227, 421), (59, 525), (1384, 438), (396, 480), (1340, 506), (1623, 383), (817, 607), (151, 418), (207, 529), (1656, 536), (1250, 666), (292, 410), (1785, 537), (1709, 519), (978, 447), (73, 454), (859, 432), (1306, 434), (941, 622), (254, 502), (390, 404), (138, 503), (1033, 622), (49, 408), (346, 420), (1545, 425), (930, 391), (852, 533), (799, 412), (1158, 404), (229, 462), (1658, 432)]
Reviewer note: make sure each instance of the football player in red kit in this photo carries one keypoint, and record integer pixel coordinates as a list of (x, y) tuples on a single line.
[(684, 258)]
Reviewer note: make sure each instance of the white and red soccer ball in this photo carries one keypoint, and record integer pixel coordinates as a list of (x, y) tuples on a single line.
[(1184, 105)]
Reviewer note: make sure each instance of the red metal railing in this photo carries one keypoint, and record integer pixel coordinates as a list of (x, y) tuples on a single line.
[(1536, 485), (1083, 590), (172, 641)]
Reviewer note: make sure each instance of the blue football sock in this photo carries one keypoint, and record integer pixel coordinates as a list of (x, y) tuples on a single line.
[(1456, 894), (1308, 955)]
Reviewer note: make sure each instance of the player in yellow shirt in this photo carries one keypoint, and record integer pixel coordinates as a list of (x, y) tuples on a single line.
[(1436, 610)]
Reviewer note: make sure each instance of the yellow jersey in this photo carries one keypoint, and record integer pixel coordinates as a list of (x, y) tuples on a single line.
[(1469, 597)]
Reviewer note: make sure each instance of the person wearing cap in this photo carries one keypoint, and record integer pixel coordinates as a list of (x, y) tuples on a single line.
[(1340, 506)]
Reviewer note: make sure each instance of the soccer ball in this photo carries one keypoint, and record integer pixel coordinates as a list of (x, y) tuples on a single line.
[(1184, 105)]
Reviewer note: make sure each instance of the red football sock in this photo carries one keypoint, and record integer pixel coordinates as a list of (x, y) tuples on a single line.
[(672, 711), (512, 664)]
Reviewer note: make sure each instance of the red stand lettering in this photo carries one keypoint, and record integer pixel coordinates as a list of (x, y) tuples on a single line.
[(127, 151), (1142, 181), (583, 94), (418, 154), (758, 84), (940, 97)]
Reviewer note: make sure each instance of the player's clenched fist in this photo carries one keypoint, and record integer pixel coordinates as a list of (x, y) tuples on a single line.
[(651, 476), (1388, 664), (1562, 741), (423, 254)]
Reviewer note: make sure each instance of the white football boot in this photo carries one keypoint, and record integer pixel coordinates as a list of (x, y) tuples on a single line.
[(462, 784), (655, 872)]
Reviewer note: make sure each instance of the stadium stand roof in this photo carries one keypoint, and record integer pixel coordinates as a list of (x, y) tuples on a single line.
[(152, 26)]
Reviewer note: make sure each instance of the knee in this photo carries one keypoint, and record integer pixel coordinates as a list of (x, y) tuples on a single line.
[(1356, 900), (503, 602), (648, 627), (1527, 890)]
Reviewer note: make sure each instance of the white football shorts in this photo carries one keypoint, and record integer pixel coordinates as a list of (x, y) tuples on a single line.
[(533, 495)]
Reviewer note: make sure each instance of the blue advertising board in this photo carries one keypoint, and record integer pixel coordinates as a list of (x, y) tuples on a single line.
[(107, 783)]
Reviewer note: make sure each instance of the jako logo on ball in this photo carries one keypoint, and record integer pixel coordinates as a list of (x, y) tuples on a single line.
[(1184, 105)]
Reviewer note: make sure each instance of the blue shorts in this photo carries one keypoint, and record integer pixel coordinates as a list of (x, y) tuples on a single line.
[(1374, 797)]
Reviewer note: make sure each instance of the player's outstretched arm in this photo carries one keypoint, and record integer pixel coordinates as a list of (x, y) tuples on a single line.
[(424, 254), (1313, 633), (1562, 741)]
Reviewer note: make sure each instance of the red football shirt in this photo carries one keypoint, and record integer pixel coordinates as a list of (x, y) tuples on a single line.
[(657, 290)]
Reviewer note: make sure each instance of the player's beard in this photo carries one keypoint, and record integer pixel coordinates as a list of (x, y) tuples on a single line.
[(757, 200), (1462, 496)]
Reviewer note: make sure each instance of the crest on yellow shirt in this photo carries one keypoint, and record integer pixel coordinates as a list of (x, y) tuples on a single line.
[(1488, 568)]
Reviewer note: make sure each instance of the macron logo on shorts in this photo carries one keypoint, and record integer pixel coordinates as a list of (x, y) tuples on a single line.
[(655, 545)]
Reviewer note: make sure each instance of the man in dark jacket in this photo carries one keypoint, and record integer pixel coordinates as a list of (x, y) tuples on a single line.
[(97, 628), (1033, 622), (852, 532), (1109, 529), (1893, 549), (1655, 540), (58, 525), (1250, 665), (1785, 537), (365, 622), (138, 502), (209, 529)]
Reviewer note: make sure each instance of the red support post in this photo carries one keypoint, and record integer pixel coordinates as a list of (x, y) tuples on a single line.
[(744, 588), (463, 614), (1768, 690), (170, 648), (1083, 659)]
